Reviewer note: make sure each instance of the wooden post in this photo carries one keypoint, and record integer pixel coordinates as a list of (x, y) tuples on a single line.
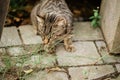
[(4, 4), (110, 23)]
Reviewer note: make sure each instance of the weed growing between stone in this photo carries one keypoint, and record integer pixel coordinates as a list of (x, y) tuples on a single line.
[(19, 67), (95, 19)]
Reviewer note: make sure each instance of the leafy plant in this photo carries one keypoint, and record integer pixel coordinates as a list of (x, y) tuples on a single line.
[(17, 4), (95, 18)]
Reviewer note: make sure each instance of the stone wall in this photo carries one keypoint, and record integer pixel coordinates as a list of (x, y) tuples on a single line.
[(110, 23)]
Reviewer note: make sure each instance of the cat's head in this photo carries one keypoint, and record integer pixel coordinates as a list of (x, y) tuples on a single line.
[(53, 26)]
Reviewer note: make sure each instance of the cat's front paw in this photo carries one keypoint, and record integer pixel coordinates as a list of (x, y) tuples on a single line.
[(49, 49), (70, 48)]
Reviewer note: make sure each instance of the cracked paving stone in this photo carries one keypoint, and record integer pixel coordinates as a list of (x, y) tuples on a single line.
[(86, 53), (90, 72), (105, 54), (43, 75)]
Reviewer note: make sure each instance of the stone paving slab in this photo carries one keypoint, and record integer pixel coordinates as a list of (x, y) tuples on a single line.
[(20, 50), (28, 35), (43, 75), (85, 54), (2, 51), (118, 67), (84, 31), (10, 37), (90, 72), (16, 51), (40, 61), (105, 54)]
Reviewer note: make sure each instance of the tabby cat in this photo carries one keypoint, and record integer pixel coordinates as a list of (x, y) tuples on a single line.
[(52, 20)]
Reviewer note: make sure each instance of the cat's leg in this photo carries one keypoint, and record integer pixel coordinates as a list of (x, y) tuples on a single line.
[(35, 30), (68, 44), (49, 48)]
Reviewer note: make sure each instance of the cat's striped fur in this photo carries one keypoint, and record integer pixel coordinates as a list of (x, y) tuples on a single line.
[(52, 19)]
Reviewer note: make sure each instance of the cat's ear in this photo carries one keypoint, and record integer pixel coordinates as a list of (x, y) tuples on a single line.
[(62, 22), (39, 19)]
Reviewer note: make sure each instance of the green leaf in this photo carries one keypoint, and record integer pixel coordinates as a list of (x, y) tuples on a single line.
[(95, 19), (92, 17), (93, 22), (96, 14), (98, 23), (95, 25), (99, 17)]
